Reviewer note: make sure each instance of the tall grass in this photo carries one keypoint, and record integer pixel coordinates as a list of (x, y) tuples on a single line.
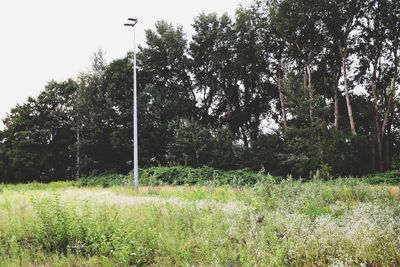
[(287, 223)]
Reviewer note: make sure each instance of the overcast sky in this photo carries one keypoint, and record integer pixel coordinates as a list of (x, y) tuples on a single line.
[(42, 40)]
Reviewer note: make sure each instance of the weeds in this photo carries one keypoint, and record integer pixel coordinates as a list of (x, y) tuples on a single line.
[(287, 223)]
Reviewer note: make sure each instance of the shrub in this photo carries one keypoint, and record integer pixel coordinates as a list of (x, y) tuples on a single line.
[(179, 175), (390, 177), (104, 180)]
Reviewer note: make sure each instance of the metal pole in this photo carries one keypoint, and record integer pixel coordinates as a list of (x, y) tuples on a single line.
[(135, 128)]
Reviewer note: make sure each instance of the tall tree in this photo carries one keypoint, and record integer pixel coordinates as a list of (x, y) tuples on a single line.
[(164, 66), (212, 49), (299, 23), (378, 54), (231, 76), (341, 18), (38, 137)]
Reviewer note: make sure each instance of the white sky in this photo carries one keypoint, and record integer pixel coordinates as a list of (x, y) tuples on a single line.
[(42, 40)]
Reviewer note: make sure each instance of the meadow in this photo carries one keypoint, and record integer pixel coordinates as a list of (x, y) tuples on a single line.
[(344, 222)]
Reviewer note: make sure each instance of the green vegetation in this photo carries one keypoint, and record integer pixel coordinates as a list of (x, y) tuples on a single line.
[(344, 222), (293, 88), (287, 87), (392, 177), (180, 175)]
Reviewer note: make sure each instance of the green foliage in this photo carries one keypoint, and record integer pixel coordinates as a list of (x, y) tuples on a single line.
[(262, 89), (201, 176), (60, 230), (36, 144), (391, 177), (285, 223), (104, 180), (179, 175), (192, 145)]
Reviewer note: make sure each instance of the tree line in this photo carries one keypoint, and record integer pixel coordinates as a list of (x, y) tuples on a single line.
[(299, 87)]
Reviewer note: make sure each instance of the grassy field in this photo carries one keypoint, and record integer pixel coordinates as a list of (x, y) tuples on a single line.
[(340, 223)]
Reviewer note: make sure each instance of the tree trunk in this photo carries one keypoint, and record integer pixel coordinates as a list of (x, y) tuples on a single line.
[(245, 139), (336, 103), (282, 100), (376, 125), (228, 107), (309, 78), (389, 106), (343, 54), (373, 152), (380, 152), (308, 85), (389, 141), (387, 157), (308, 82)]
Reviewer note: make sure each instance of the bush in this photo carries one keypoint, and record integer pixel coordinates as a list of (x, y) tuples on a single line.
[(104, 180), (390, 177), (180, 175)]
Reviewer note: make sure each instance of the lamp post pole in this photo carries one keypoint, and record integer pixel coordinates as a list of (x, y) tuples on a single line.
[(132, 24)]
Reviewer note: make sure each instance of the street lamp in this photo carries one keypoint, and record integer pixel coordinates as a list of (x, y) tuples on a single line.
[(132, 24)]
